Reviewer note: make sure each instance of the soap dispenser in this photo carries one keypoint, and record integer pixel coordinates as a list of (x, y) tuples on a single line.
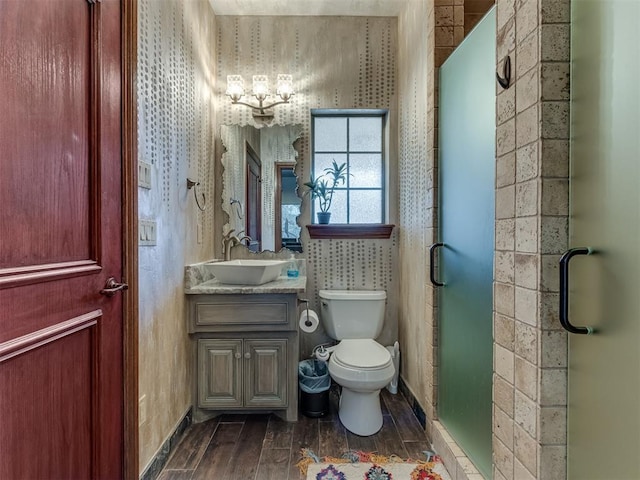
[(292, 268)]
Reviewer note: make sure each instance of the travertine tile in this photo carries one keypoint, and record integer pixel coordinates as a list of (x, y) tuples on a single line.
[(526, 342), (525, 449), (527, 198), (497, 475), (553, 425), (527, 126), (526, 18), (506, 170), (506, 105), (555, 11), (444, 36), (506, 137), (503, 395), (520, 472), (555, 120), (554, 235), (505, 202), (549, 311), (550, 275), (458, 34), (504, 331), (503, 458), (526, 235), (504, 266), (458, 15), (555, 158), (526, 305), (444, 16), (506, 43), (526, 270), (553, 386), (503, 427), (505, 10), (526, 413), (553, 462), (527, 162), (503, 299), (504, 363), (553, 348), (505, 234), (527, 90), (555, 196), (555, 81), (555, 43), (526, 55), (526, 378)]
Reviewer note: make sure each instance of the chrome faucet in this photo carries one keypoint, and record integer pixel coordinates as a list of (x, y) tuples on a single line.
[(229, 241)]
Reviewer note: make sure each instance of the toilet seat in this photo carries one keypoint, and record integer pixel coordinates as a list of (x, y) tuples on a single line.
[(361, 354)]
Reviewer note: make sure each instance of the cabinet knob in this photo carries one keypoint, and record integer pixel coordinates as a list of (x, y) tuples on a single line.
[(238, 355), (247, 355)]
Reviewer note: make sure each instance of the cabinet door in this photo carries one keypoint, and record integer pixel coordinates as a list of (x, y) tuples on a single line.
[(265, 373), (219, 373)]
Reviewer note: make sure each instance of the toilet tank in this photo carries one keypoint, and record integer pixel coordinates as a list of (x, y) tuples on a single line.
[(352, 314)]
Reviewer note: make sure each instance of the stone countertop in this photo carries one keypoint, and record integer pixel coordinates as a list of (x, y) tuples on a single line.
[(280, 285)]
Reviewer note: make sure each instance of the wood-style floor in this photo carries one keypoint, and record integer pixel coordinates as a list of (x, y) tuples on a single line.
[(264, 447)]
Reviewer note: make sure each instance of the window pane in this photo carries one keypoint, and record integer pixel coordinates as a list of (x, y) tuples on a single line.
[(330, 134), (365, 134), (365, 170), (338, 207), (365, 206), (325, 160)]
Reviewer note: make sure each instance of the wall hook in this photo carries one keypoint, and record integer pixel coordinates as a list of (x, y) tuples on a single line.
[(191, 184), (505, 80)]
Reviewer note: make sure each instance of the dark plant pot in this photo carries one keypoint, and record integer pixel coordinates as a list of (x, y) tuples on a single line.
[(323, 217)]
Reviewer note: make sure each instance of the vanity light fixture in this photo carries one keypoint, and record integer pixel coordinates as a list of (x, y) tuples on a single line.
[(284, 90)]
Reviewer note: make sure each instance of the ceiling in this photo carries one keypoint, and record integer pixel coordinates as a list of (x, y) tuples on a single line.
[(364, 8)]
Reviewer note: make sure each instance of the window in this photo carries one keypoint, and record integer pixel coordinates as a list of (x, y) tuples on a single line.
[(355, 138)]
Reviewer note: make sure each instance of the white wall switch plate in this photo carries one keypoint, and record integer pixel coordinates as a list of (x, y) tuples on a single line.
[(147, 232), (144, 174)]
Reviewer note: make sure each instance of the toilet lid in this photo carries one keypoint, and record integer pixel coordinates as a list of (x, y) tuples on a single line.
[(363, 354)]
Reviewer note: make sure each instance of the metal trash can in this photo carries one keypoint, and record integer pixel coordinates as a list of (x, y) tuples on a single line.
[(314, 382)]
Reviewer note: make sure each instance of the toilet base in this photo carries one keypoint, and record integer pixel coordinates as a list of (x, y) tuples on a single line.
[(360, 412)]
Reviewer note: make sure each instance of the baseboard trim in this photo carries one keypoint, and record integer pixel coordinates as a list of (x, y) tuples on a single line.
[(159, 460), (413, 402)]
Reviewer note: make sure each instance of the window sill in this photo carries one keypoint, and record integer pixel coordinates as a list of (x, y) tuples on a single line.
[(350, 231)]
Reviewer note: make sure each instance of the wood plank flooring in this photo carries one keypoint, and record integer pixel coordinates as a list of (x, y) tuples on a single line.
[(264, 447)]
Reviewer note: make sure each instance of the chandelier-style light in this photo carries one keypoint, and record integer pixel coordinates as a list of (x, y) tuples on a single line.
[(284, 90)]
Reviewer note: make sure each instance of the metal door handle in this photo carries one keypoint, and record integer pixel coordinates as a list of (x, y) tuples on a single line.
[(432, 265), (564, 290), (112, 287)]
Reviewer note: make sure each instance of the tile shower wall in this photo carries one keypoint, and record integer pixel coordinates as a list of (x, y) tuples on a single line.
[(176, 42), (530, 349), (337, 62)]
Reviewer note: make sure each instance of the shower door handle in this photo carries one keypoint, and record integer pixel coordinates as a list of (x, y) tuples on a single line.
[(432, 265), (564, 290)]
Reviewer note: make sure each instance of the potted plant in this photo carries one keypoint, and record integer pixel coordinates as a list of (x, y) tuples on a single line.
[(324, 186)]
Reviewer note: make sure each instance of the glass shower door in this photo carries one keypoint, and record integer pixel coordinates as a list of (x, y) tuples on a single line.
[(467, 164)]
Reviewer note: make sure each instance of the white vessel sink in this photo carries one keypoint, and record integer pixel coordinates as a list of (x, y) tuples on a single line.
[(247, 272)]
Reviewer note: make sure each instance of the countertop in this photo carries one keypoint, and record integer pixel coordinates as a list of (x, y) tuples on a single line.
[(280, 285)]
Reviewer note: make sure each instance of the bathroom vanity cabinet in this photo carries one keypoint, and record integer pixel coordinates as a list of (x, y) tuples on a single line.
[(245, 353)]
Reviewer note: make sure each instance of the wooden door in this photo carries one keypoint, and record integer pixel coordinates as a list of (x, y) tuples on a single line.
[(604, 367), (61, 340)]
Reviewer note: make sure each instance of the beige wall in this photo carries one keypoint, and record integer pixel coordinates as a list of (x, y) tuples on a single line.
[(337, 62), (175, 133)]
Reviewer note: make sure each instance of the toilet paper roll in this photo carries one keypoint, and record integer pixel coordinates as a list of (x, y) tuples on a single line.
[(308, 321)]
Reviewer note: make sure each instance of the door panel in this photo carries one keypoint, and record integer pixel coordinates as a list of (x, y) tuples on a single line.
[(60, 218), (220, 373), (467, 163), (604, 368), (266, 373)]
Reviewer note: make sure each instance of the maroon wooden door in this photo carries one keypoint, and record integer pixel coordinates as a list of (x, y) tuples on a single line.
[(61, 340)]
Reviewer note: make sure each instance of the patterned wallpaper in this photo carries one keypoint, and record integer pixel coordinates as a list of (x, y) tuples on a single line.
[(337, 62), (175, 136)]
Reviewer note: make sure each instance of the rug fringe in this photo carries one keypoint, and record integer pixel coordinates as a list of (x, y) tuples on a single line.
[(356, 456)]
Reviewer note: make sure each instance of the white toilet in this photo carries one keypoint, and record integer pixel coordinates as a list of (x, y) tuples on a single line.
[(358, 363)]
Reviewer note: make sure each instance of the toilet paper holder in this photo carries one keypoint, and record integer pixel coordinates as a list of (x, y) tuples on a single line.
[(306, 302)]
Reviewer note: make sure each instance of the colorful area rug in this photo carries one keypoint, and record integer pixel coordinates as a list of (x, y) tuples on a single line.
[(369, 466)]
